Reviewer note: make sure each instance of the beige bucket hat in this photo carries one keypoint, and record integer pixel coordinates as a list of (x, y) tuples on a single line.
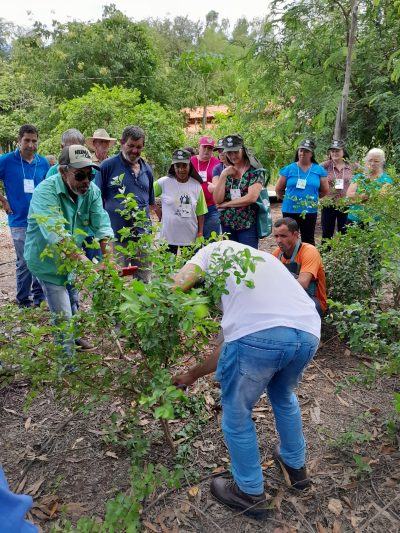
[(99, 134)]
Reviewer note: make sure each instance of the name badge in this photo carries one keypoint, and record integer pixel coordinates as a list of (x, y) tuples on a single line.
[(29, 186), (184, 210), (203, 174), (235, 193), (301, 184), (339, 183)]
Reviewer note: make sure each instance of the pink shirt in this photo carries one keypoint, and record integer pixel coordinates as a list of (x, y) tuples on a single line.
[(205, 168)]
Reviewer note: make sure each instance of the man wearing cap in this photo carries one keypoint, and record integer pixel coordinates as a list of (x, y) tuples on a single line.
[(303, 260), (128, 170), (204, 163), (69, 201), (68, 137), (100, 143), (21, 172)]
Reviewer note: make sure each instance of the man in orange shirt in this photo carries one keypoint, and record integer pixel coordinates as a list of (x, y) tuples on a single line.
[(302, 259)]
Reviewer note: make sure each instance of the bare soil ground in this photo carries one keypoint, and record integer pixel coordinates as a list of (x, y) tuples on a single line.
[(62, 460)]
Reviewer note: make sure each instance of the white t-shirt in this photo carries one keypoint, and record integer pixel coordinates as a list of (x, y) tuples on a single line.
[(277, 299), (179, 203)]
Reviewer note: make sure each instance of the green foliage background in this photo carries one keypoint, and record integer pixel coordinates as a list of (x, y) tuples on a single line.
[(281, 77)]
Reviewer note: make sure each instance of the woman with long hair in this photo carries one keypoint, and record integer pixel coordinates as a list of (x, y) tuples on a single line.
[(183, 205), (237, 190), (301, 184)]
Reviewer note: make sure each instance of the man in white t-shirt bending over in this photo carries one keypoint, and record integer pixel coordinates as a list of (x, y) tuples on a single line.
[(271, 333)]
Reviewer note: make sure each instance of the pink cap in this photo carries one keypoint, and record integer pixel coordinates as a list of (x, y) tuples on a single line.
[(207, 141)]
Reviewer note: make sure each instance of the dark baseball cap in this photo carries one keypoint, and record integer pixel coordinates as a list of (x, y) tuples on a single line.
[(232, 143), (337, 145), (307, 144), (181, 156)]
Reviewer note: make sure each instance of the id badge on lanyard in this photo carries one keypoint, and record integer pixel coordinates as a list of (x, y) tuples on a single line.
[(301, 183), (235, 193), (28, 186), (339, 183), (203, 174)]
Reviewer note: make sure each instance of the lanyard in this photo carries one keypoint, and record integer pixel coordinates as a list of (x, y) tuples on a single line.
[(240, 181), (208, 164), (298, 172), (22, 166), (334, 173)]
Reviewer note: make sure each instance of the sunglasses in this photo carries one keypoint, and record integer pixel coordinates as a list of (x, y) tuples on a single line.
[(81, 176)]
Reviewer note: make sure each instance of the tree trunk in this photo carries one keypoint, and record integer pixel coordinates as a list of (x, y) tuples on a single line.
[(204, 121), (341, 115)]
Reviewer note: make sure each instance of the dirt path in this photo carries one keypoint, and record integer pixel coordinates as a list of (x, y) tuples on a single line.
[(63, 460)]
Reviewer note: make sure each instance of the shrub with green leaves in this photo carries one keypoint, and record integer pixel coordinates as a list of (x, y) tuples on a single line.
[(141, 331)]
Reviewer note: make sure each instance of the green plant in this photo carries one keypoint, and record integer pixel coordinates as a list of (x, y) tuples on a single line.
[(363, 467), (160, 324)]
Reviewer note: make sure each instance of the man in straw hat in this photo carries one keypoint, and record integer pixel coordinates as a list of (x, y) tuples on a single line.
[(100, 143)]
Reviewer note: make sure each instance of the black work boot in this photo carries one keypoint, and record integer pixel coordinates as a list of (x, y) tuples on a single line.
[(227, 492), (295, 477), (83, 345)]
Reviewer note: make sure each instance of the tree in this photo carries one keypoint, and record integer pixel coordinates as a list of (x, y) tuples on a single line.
[(201, 73), (77, 55), (341, 117), (115, 108), (291, 83)]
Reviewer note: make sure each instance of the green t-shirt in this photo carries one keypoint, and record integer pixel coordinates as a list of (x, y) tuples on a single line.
[(366, 185)]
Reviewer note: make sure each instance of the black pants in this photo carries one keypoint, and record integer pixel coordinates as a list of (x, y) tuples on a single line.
[(306, 225), (329, 216)]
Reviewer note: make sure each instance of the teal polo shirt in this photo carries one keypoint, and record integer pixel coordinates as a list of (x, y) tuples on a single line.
[(52, 200)]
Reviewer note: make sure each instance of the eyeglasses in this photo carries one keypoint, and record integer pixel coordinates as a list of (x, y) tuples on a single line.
[(81, 175)]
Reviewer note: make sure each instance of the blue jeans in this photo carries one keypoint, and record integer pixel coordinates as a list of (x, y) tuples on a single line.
[(244, 236), (63, 302), (211, 222), (272, 360), (28, 287)]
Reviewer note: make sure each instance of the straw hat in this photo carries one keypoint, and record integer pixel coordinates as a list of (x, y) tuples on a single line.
[(102, 135)]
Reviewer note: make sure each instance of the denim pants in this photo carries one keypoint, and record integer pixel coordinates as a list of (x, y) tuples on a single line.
[(28, 287), (272, 361), (244, 236), (63, 302), (211, 222)]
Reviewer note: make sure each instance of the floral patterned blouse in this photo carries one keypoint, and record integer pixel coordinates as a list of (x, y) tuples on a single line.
[(240, 218)]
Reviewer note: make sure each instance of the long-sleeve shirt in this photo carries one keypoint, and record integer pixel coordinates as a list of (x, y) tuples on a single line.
[(52, 201)]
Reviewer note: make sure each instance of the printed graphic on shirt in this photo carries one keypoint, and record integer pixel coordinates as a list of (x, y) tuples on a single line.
[(184, 210)]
